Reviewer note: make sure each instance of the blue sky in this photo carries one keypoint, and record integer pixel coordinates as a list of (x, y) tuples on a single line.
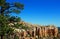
[(42, 12)]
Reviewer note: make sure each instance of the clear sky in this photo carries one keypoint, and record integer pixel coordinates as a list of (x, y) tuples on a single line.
[(42, 12)]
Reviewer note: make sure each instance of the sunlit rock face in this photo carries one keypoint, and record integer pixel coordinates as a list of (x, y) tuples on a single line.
[(49, 31), (45, 31), (37, 31)]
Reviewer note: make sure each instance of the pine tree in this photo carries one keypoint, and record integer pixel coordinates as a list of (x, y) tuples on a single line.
[(5, 10)]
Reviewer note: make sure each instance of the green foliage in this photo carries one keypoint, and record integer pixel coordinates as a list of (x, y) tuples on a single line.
[(14, 19), (17, 25), (6, 8), (2, 2), (19, 5), (4, 28), (16, 11), (16, 37), (55, 37), (24, 27)]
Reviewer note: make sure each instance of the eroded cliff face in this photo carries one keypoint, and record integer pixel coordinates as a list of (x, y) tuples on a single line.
[(37, 31)]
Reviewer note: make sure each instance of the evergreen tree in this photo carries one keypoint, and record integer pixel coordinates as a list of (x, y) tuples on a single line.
[(5, 10)]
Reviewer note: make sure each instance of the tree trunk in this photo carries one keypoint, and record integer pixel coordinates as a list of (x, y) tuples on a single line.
[(2, 37)]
